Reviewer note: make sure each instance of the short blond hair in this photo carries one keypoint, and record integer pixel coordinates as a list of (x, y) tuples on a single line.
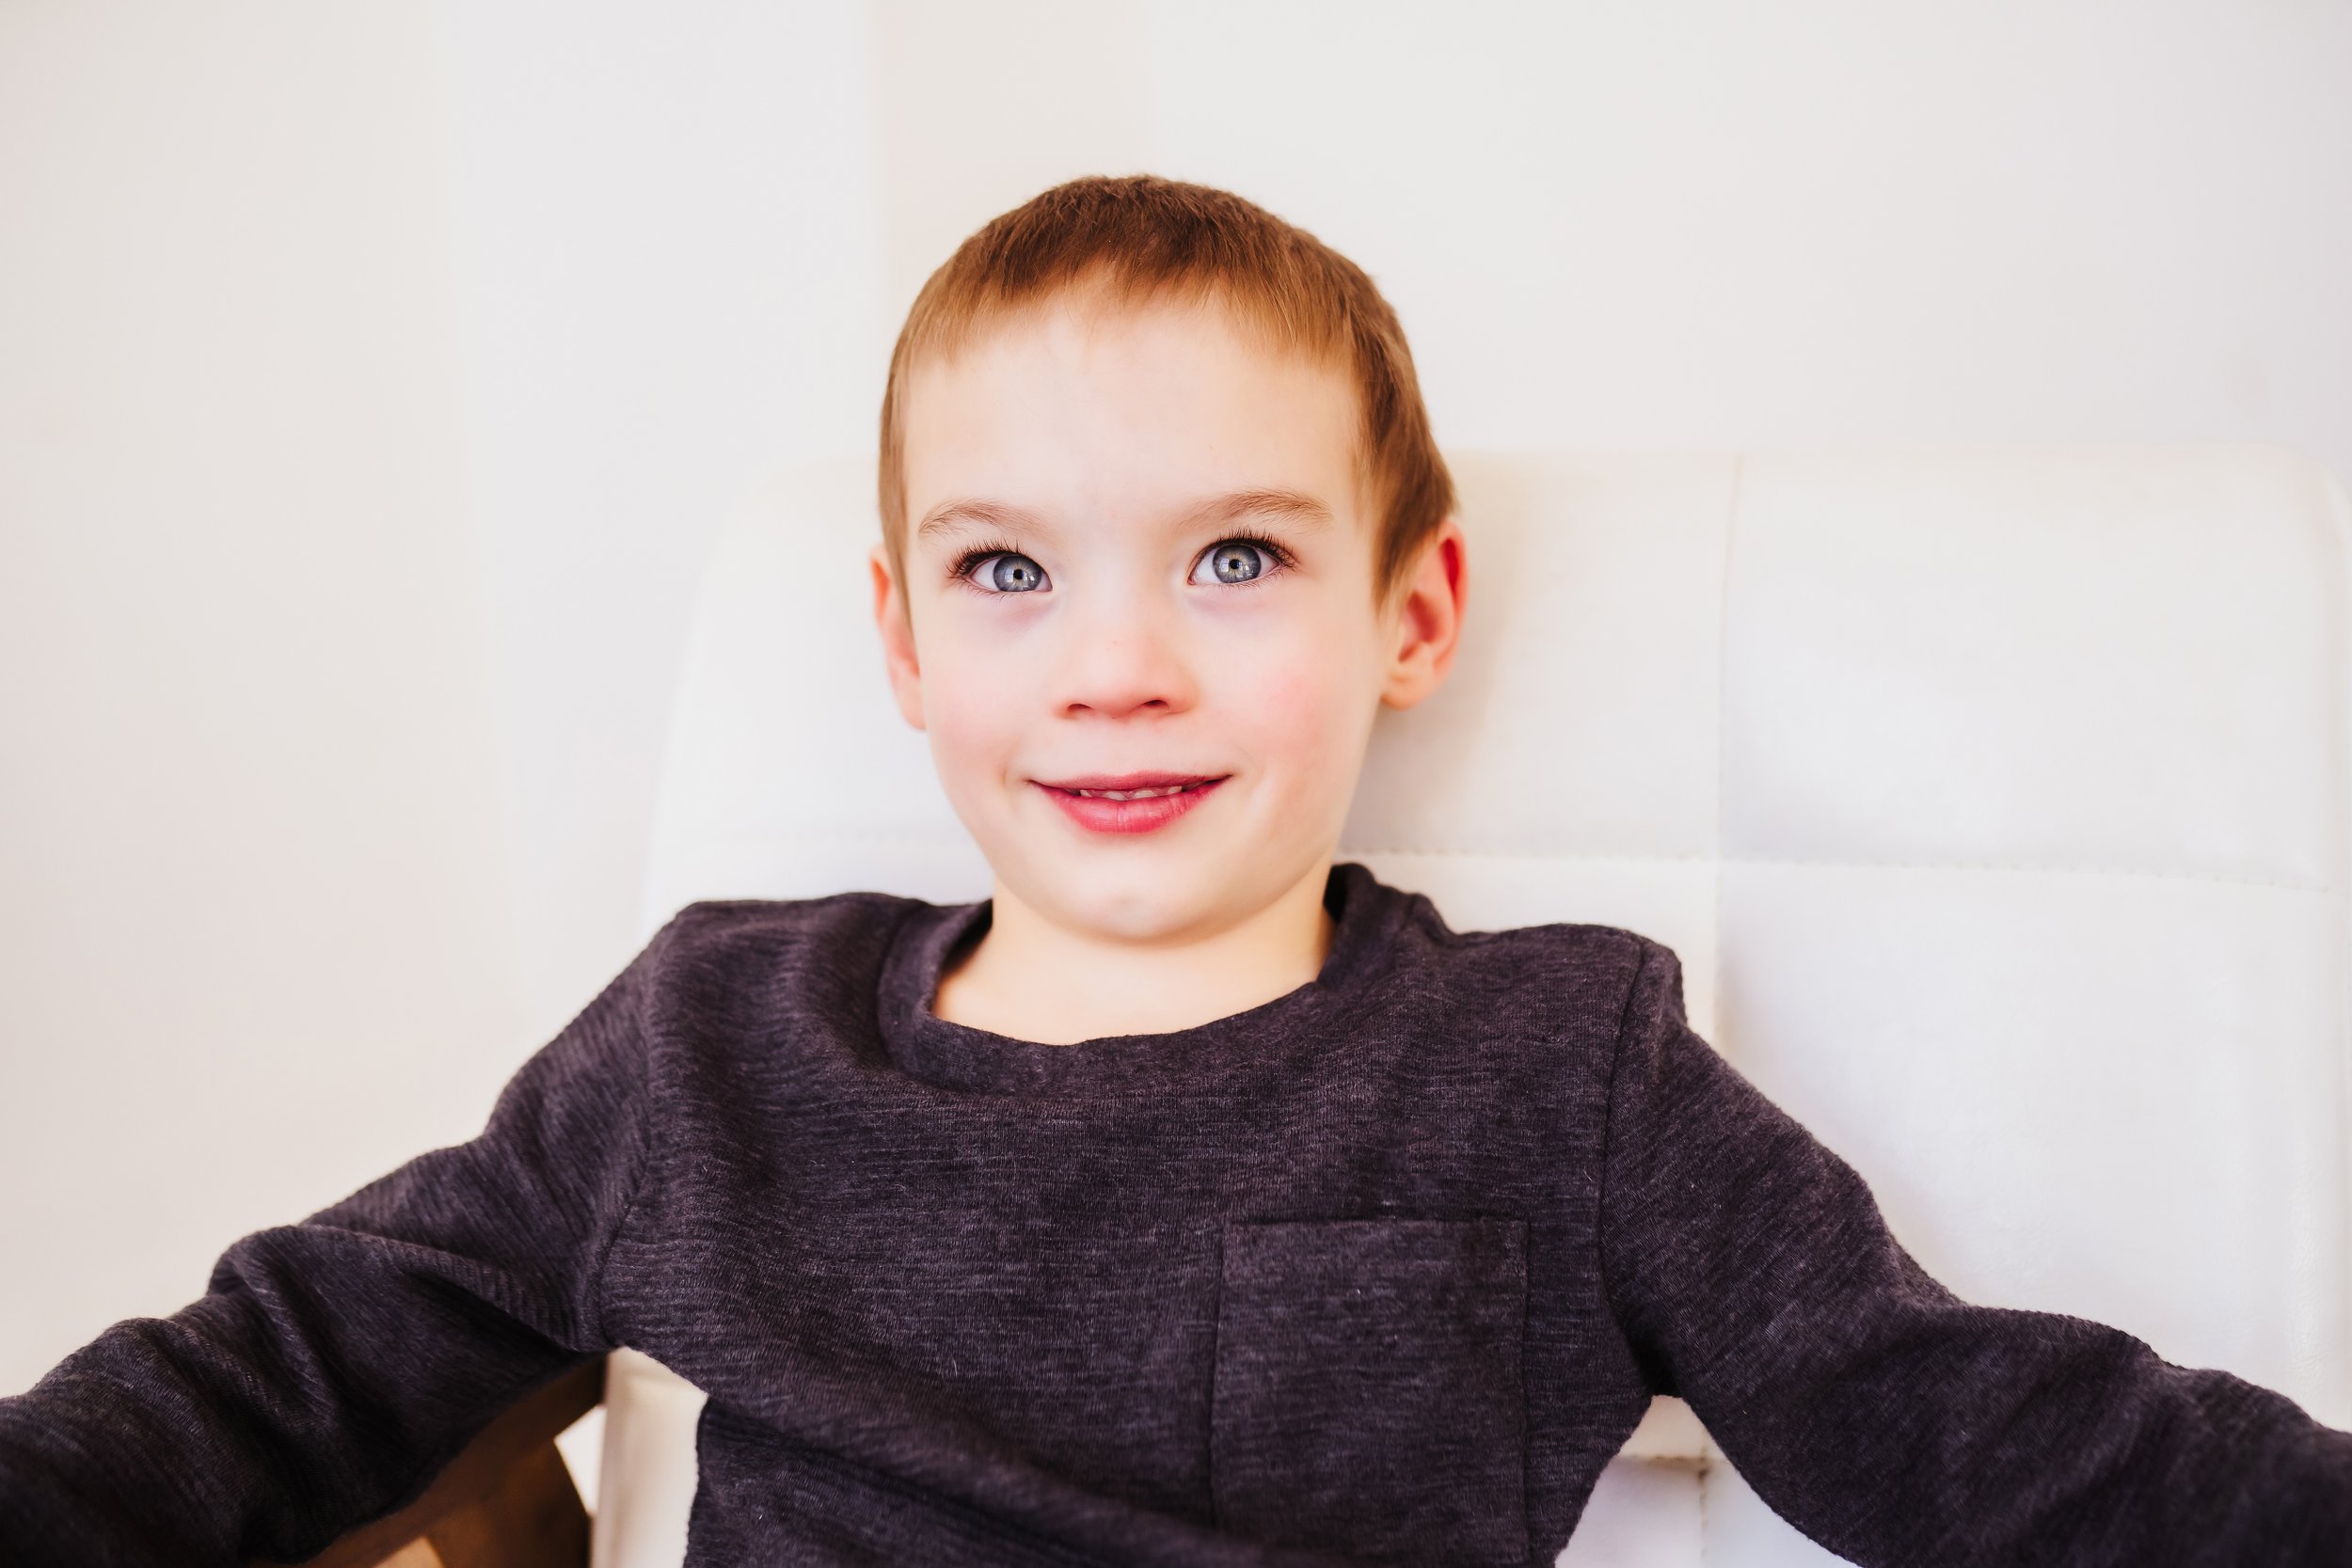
[(1140, 238)]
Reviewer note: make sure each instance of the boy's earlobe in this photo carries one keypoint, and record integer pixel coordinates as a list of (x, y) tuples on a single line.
[(897, 638)]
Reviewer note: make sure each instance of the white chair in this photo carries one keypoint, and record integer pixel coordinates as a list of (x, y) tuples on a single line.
[(1994, 802)]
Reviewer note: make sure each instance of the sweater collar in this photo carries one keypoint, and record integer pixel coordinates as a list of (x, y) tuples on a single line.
[(1365, 913)]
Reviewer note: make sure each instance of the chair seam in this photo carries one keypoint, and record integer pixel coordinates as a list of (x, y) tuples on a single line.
[(1723, 774), (2129, 872), (1721, 860)]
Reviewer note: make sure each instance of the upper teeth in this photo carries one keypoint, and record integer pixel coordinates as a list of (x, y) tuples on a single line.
[(1130, 794)]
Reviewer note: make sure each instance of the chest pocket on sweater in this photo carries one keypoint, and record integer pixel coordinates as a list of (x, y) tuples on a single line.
[(1368, 1396)]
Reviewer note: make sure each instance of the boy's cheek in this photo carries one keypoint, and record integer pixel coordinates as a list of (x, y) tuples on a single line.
[(976, 736), (1301, 699), (968, 734), (963, 684)]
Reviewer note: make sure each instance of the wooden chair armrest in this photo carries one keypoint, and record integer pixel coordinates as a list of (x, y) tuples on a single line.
[(505, 1501)]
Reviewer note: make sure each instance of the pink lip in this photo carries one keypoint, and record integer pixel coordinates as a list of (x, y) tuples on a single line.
[(1129, 817)]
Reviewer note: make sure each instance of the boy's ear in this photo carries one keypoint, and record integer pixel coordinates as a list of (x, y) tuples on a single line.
[(1428, 622), (897, 639)]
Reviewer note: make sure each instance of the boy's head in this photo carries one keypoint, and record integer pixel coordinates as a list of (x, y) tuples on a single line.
[(1158, 497)]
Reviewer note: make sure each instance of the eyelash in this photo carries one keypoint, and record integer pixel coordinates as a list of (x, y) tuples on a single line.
[(970, 560)]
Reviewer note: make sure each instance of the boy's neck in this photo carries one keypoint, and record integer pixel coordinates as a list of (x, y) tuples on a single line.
[(1031, 979)]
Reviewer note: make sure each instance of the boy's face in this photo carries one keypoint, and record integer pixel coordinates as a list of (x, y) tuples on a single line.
[(1086, 602)]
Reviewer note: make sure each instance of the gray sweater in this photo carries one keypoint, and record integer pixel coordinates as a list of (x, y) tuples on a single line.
[(1384, 1269)]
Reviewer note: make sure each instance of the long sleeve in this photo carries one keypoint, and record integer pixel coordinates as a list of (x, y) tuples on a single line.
[(1887, 1418), (333, 1367)]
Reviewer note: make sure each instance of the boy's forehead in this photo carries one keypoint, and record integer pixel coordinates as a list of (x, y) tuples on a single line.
[(1096, 338), (1159, 398)]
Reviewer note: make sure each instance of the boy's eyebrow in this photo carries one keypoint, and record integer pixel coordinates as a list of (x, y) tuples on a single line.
[(1295, 506)]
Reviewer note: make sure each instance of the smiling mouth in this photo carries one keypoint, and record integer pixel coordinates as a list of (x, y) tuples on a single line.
[(1132, 803), (1132, 786), (1132, 794)]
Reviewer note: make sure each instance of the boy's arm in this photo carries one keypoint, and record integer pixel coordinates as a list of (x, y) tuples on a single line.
[(333, 1367), (1885, 1418)]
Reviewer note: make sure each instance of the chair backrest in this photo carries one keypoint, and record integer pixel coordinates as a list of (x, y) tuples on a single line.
[(1996, 801)]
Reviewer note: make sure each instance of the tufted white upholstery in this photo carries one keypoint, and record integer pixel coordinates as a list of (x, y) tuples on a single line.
[(1993, 800)]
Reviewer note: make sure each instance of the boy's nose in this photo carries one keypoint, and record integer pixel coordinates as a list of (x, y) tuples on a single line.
[(1123, 660)]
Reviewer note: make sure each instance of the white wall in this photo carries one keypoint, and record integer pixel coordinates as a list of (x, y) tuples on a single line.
[(664, 237), (255, 942), (1642, 224), (371, 377)]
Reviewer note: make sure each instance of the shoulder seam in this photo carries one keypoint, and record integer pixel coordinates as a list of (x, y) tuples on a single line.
[(1609, 1126), (640, 1155)]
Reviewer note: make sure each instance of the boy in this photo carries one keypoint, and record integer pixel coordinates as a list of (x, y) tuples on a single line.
[(1193, 1200)]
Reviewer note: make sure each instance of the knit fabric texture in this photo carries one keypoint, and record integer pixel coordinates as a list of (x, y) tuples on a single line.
[(1382, 1270)]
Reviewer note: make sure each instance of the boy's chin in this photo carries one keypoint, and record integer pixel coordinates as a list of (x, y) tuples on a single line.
[(1119, 892)]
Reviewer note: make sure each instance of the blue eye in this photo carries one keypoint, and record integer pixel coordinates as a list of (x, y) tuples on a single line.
[(997, 569), (1243, 558), (1001, 570)]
